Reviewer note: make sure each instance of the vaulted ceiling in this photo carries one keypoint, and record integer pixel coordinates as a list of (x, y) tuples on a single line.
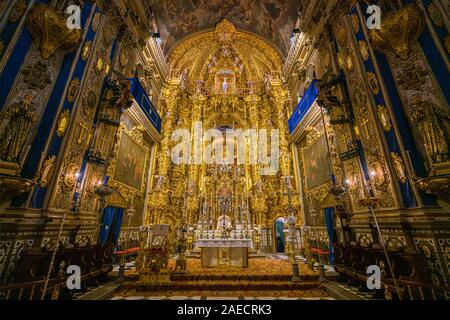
[(271, 19)]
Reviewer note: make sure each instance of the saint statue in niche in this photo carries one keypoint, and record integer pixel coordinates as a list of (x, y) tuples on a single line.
[(225, 86), (19, 118)]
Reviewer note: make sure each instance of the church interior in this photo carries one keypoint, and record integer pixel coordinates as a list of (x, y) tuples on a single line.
[(206, 149)]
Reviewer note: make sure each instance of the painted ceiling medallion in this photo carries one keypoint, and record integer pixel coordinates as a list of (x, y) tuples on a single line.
[(399, 31), (48, 28), (272, 20)]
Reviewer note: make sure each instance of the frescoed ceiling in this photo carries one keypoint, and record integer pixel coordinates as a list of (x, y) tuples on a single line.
[(271, 19)]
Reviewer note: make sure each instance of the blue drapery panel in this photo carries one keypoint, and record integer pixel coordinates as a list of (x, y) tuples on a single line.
[(111, 225), (329, 221), (279, 233), (304, 105), (142, 99), (108, 217), (118, 217)]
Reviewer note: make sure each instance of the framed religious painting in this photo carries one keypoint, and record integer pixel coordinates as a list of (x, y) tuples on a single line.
[(130, 164), (317, 163)]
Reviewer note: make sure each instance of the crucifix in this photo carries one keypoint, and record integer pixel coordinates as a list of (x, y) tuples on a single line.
[(84, 128), (364, 124)]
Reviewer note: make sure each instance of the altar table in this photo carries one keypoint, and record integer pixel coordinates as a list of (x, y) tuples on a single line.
[(224, 252)]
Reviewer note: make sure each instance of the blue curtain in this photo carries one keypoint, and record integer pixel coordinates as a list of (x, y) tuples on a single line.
[(108, 218), (111, 225), (329, 221), (303, 106), (117, 224), (279, 232)]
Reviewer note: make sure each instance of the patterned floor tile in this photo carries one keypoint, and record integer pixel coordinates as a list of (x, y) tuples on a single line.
[(135, 298)]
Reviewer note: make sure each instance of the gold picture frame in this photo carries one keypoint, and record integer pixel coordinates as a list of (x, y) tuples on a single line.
[(130, 162)]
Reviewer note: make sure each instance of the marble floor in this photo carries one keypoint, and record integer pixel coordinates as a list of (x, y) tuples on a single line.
[(216, 298)]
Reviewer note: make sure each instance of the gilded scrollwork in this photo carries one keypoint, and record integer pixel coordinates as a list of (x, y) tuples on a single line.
[(399, 167), (47, 171), (384, 117), (49, 28), (433, 121), (365, 127), (399, 31), (63, 123), (80, 137), (435, 15), (17, 11)]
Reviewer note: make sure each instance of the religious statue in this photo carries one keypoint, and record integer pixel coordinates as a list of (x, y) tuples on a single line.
[(258, 187), (225, 86), (20, 118), (184, 79), (433, 122)]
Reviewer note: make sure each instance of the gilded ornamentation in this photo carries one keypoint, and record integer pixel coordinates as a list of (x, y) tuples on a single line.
[(435, 15), (123, 58), (439, 186), (18, 11), (90, 99), (96, 22), (19, 118), (86, 49), (433, 122), (377, 173), (340, 59), (100, 63), (79, 140), (108, 67), (11, 187), (2, 47), (71, 176), (367, 131), (36, 76), (47, 171), (447, 44), (399, 30), (384, 117), (108, 35), (373, 83), (364, 49), (49, 29), (63, 123), (355, 23), (399, 167), (72, 92), (218, 77)]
